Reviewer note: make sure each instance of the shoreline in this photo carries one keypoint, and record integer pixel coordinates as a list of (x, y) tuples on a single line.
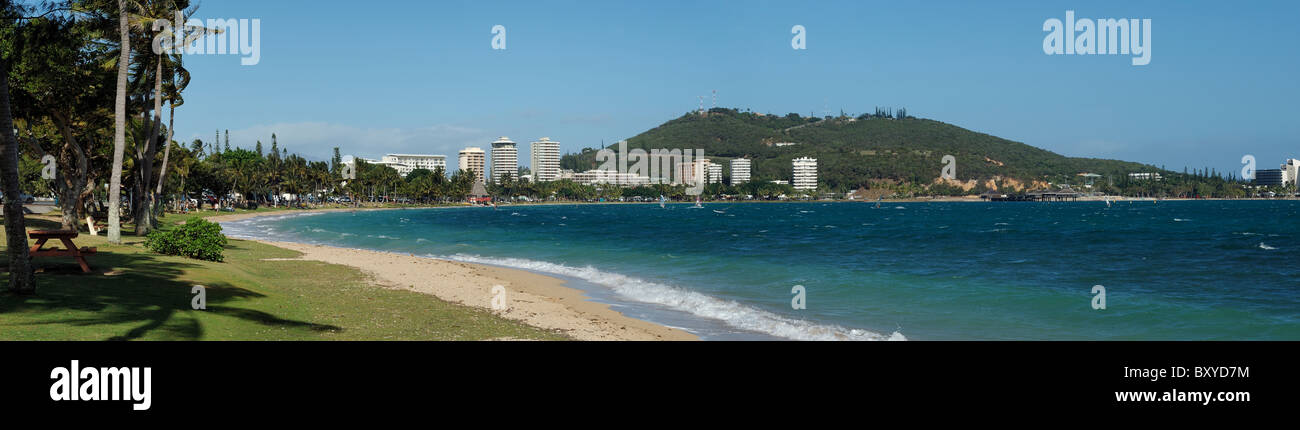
[(538, 300)]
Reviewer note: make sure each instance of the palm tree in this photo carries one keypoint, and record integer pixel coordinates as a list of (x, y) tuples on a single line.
[(169, 86), (180, 80), (119, 128)]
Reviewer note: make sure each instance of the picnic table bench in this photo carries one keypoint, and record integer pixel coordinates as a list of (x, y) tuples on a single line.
[(64, 236)]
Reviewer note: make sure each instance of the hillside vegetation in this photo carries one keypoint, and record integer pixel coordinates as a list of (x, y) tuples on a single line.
[(867, 150)]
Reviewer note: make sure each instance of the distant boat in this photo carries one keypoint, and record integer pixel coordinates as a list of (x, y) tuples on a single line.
[(697, 203)]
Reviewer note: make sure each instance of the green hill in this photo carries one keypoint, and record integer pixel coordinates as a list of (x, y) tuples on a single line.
[(857, 152)]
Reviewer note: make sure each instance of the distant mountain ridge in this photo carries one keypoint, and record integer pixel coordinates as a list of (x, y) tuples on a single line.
[(854, 152)]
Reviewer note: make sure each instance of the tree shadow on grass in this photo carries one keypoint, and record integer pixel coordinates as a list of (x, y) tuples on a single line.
[(142, 290)]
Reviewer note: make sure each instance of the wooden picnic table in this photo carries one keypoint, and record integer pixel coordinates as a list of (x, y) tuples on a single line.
[(64, 236)]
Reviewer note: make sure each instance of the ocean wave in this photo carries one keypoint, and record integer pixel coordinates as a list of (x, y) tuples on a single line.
[(730, 312), (257, 227), (1265, 247)]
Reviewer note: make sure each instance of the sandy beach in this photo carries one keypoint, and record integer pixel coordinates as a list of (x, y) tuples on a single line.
[(537, 300)]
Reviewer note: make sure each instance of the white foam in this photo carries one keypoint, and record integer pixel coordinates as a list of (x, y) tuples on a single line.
[(1265, 247), (730, 312)]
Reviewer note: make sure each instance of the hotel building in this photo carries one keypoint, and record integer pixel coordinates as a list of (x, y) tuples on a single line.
[(686, 172), (805, 173), (1270, 177), (611, 177), (740, 171), (405, 163), (1290, 171), (712, 173), (546, 160), (505, 159), (473, 158)]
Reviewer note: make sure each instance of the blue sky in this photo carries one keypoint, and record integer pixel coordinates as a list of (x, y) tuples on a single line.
[(420, 76)]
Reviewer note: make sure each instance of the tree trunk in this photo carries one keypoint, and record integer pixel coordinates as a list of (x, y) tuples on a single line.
[(73, 173), (119, 132), (21, 280), (144, 211), (167, 149)]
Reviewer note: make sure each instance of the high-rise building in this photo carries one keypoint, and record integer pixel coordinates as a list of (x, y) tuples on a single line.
[(712, 173), (740, 171), (505, 159), (805, 173), (1291, 172), (473, 158), (546, 160), (687, 172)]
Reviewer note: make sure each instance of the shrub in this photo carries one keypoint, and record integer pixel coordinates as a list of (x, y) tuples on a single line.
[(197, 238)]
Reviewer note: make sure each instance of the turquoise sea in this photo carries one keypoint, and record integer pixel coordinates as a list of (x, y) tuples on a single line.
[(1183, 270)]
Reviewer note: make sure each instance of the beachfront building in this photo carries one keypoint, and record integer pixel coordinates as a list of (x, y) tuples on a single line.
[(740, 171), (546, 159), (609, 177), (712, 173), (688, 172), (1270, 177), (473, 158), (405, 163), (505, 159), (401, 169), (1290, 172), (805, 173)]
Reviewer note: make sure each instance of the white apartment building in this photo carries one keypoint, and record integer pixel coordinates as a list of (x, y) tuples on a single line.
[(740, 171), (505, 159), (405, 163), (402, 169), (1290, 171), (546, 159), (687, 172), (805, 173), (473, 158), (712, 173), (611, 177)]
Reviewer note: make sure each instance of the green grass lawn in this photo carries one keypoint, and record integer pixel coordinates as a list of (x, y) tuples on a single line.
[(136, 294)]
